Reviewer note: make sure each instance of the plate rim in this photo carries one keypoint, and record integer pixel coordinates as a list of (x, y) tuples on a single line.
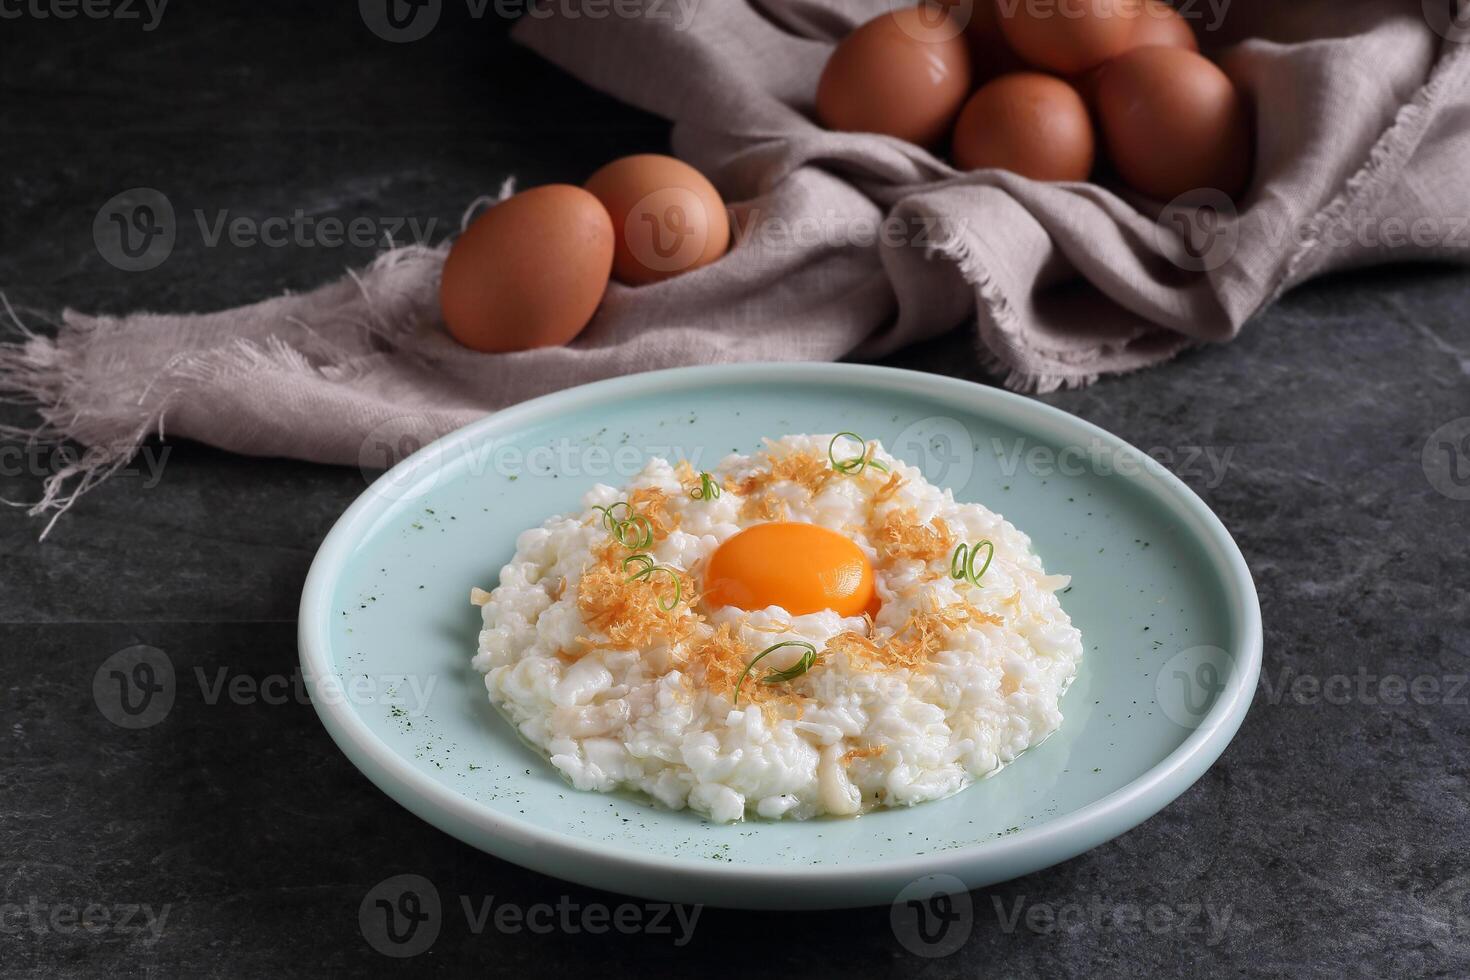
[(766, 886)]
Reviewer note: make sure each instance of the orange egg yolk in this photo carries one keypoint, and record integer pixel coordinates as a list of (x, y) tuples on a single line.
[(802, 568)]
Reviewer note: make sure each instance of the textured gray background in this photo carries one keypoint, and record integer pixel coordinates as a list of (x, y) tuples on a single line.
[(1332, 835)]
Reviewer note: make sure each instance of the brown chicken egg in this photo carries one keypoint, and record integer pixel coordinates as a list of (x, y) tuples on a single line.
[(1158, 24), (529, 272), (1069, 36), (904, 73), (667, 217), (1028, 123), (1173, 122)]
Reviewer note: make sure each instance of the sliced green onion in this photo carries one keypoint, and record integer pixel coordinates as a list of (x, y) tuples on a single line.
[(646, 560), (855, 464), (962, 562), (634, 533), (608, 520), (777, 676), (649, 566), (708, 488)]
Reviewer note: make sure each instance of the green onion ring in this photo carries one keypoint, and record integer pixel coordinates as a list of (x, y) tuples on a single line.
[(608, 520), (962, 562), (973, 575), (647, 560), (708, 488), (649, 567), (856, 464), (801, 666), (638, 523)]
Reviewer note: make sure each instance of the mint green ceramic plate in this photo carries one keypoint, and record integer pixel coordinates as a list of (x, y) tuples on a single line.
[(1165, 603)]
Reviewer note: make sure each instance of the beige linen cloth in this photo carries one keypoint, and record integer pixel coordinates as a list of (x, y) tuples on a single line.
[(1362, 122)]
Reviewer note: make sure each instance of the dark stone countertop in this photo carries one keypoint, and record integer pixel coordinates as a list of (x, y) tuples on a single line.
[(1333, 832)]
